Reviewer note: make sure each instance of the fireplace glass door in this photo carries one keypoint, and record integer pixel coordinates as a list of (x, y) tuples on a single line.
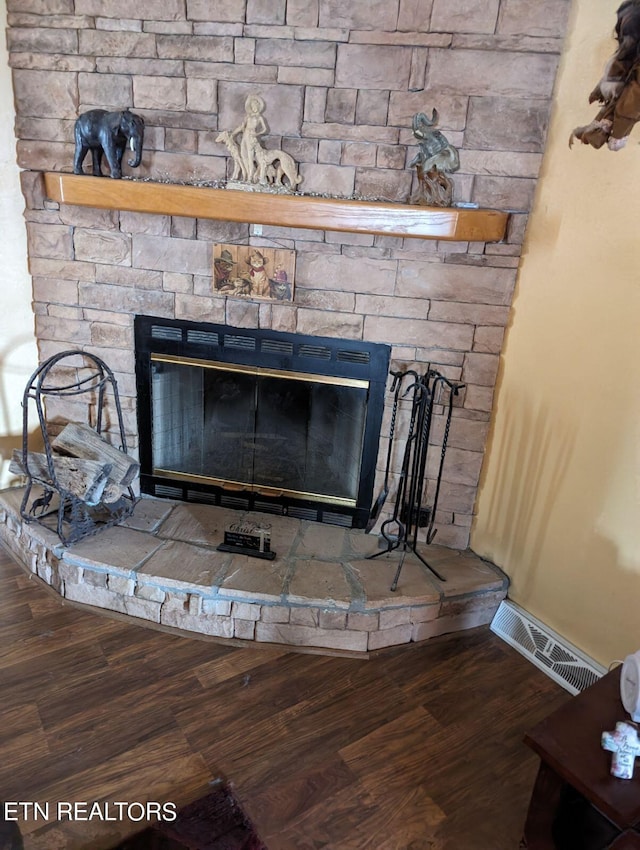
[(276, 433), (259, 420)]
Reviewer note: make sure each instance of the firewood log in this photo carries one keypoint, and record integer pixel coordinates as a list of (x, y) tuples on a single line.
[(82, 441), (86, 479)]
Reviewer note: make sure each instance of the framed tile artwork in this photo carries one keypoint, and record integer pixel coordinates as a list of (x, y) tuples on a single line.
[(248, 272)]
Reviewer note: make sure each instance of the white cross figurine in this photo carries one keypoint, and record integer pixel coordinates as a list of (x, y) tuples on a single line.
[(625, 746)]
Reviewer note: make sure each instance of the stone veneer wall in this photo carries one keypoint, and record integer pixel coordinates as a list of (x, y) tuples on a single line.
[(341, 83)]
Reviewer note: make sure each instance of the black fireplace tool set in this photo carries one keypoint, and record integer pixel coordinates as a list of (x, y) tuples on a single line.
[(409, 514)]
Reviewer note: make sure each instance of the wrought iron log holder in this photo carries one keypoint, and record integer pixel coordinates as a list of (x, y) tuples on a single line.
[(409, 514), (52, 504)]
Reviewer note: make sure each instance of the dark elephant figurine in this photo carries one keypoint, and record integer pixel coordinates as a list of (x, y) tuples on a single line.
[(110, 133)]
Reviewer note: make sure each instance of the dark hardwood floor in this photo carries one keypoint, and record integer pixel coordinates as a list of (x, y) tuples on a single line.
[(418, 748)]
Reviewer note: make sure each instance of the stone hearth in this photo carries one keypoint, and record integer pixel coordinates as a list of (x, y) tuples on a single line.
[(161, 566)]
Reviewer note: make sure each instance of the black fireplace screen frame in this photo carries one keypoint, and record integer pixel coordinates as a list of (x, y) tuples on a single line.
[(351, 360)]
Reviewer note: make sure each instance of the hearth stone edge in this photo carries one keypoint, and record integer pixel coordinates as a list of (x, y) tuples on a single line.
[(367, 621)]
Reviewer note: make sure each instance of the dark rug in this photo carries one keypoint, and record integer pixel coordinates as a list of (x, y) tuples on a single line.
[(214, 822)]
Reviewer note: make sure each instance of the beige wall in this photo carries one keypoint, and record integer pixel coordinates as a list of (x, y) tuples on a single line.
[(559, 502), (17, 343)]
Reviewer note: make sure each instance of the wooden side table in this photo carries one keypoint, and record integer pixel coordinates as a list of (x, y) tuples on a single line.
[(576, 804)]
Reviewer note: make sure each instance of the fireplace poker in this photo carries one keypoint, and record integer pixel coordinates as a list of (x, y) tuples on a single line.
[(396, 385), (413, 506), (410, 507), (394, 541), (453, 391), (423, 402)]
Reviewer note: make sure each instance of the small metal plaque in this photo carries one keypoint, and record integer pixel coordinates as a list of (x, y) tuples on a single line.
[(248, 538)]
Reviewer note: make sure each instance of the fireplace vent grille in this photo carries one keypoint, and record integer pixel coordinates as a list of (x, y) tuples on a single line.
[(275, 346), (336, 519), (203, 337), (268, 508), (303, 513), (199, 496), (244, 343), (167, 492), (166, 332), (234, 502), (353, 356), (317, 351)]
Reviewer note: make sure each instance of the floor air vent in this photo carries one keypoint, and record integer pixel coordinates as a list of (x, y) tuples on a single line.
[(544, 648)]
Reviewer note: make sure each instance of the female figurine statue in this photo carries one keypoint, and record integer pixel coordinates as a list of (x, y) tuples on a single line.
[(251, 129)]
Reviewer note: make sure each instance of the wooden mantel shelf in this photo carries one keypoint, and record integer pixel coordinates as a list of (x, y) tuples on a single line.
[(378, 218)]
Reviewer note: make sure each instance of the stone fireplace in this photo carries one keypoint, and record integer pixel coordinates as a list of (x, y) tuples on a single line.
[(341, 83), (341, 86)]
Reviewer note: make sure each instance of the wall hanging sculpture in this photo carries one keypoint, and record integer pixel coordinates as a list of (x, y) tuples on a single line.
[(619, 88), (252, 163), (108, 133), (247, 272), (434, 159)]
